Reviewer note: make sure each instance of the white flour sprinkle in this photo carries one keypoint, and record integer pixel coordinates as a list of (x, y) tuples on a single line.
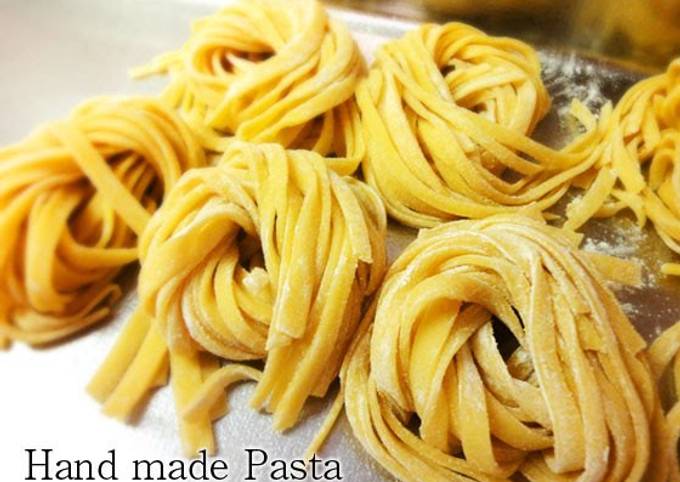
[(624, 240), (625, 243), (630, 309), (570, 78)]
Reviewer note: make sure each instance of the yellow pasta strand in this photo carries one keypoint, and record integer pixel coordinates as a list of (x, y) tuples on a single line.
[(269, 71), (504, 341), (446, 112), (75, 195), (269, 255), (639, 160), (214, 387), (664, 355)]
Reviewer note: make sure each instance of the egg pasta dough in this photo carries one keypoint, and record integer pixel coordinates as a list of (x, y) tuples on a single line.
[(75, 196), (665, 358), (269, 71), (448, 111), (267, 256), (639, 161), (495, 349)]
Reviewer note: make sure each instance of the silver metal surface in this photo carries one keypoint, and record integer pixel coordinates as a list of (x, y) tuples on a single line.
[(643, 32), (54, 54)]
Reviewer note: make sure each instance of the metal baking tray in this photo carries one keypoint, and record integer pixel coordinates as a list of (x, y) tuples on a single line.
[(53, 55)]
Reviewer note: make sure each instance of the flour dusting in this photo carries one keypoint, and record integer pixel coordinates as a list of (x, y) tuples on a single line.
[(570, 77), (625, 240)]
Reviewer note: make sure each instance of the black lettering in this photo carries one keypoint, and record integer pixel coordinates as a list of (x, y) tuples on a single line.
[(34, 465), (111, 463), (316, 463), (298, 469), (199, 464), (279, 471), (90, 470), (220, 465), (333, 471), (63, 470), (176, 470), (145, 464), (252, 463)]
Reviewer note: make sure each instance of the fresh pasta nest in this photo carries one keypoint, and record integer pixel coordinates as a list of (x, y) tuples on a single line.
[(491, 349), (505, 343), (448, 110), (664, 355), (268, 255), (75, 195), (269, 71), (639, 163)]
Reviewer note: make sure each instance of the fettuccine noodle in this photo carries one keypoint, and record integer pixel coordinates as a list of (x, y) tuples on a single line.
[(639, 167), (268, 255), (269, 71), (665, 356), (75, 195), (447, 110), (502, 338)]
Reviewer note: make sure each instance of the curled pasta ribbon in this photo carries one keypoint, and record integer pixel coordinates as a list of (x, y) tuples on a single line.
[(269, 71), (502, 338), (639, 163), (664, 355), (74, 197), (268, 255), (448, 110)]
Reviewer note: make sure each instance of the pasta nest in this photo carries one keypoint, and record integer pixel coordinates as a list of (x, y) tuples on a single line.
[(448, 110), (664, 355), (269, 255), (639, 163), (269, 71), (75, 195), (495, 348)]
